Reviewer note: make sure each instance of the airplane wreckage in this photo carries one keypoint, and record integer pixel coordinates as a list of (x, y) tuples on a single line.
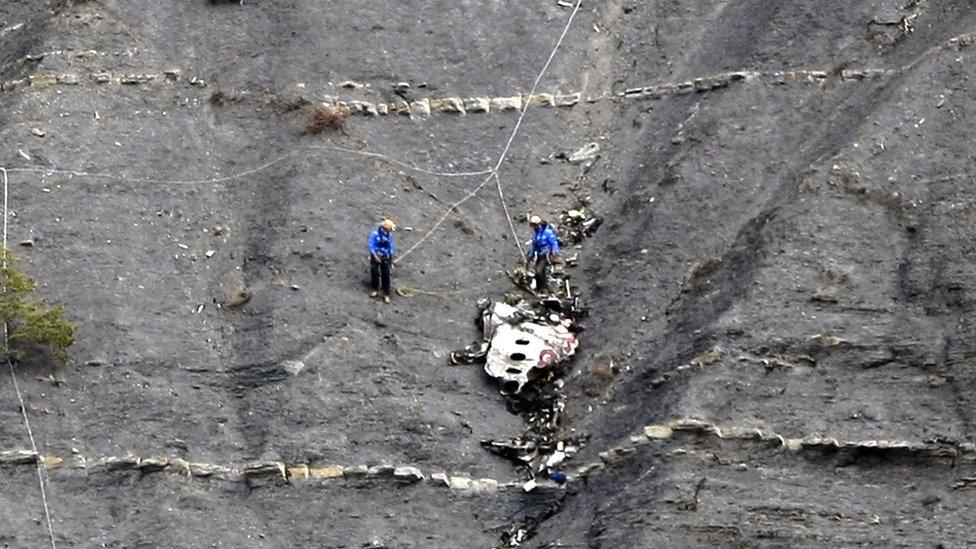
[(526, 339)]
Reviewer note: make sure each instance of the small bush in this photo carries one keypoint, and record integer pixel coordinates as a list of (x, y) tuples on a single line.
[(325, 118), (29, 321)]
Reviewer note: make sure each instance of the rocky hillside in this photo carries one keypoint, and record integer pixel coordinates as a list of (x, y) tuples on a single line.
[(781, 295)]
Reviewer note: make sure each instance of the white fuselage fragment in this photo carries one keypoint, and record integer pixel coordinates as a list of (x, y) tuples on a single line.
[(519, 347)]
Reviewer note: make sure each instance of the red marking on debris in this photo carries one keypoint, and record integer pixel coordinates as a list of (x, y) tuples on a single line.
[(569, 344), (547, 357)]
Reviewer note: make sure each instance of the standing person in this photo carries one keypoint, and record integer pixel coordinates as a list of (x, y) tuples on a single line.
[(382, 252), (544, 251)]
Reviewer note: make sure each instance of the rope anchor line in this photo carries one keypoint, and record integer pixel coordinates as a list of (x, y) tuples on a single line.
[(505, 151), (252, 171), (13, 376)]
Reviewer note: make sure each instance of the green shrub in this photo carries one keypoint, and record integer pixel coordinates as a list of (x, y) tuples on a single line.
[(29, 321)]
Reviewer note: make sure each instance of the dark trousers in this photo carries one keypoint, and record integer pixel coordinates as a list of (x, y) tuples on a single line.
[(379, 273), (541, 272)]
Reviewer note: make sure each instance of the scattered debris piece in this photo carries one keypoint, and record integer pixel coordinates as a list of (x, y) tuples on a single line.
[(472, 354), (575, 225), (293, 367), (517, 449), (527, 528), (588, 152)]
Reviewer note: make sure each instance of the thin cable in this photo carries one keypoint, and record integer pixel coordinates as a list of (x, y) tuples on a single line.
[(535, 85), (13, 375), (252, 171), (30, 434), (511, 224), (508, 145), (441, 219), (402, 164), (4, 170)]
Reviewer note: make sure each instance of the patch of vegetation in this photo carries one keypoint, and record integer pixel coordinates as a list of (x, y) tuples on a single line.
[(221, 98), (29, 321), (325, 118)]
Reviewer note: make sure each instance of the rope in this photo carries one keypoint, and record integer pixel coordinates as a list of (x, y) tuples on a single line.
[(4, 171), (511, 224), (252, 171), (441, 219), (13, 375), (505, 151), (535, 85), (30, 434), (410, 292), (400, 163)]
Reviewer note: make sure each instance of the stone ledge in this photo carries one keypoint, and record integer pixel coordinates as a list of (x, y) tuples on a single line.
[(471, 105), (264, 474), (167, 76), (947, 451)]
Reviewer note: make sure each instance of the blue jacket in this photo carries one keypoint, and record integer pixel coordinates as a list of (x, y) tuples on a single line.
[(381, 243), (544, 241)]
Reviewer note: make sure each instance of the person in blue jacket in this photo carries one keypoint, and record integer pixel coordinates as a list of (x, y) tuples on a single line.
[(544, 251), (382, 252)]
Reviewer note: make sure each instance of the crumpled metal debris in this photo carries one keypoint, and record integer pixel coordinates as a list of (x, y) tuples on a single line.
[(472, 354), (517, 449), (527, 527), (558, 280), (577, 224), (588, 152)]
